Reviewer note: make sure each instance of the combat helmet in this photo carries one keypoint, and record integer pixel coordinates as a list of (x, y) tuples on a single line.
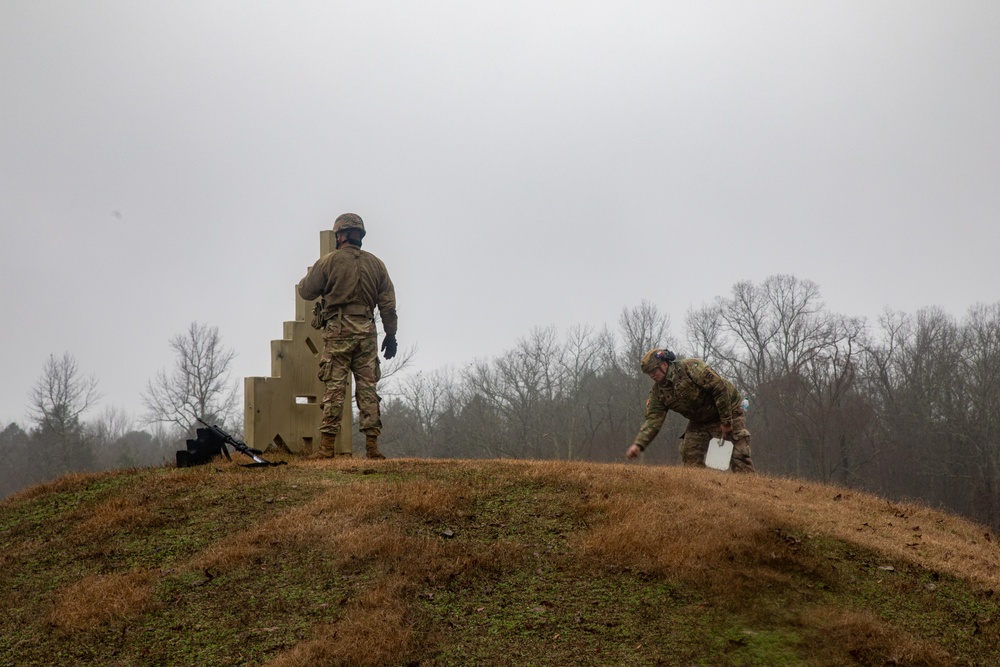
[(652, 359), (349, 221)]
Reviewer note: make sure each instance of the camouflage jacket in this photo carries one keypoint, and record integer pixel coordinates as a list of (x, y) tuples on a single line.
[(352, 276), (692, 389)]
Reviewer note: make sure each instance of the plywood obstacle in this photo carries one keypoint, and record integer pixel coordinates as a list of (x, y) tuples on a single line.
[(283, 411)]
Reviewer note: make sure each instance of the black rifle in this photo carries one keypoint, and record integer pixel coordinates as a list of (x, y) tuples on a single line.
[(224, 438)]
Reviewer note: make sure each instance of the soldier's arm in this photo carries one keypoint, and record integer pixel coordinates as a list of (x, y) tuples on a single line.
[(656, 414), (313, 285), (387, 304)]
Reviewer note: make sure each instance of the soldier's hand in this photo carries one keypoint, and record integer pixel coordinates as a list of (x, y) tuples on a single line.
[(633, 451), (389, 347)]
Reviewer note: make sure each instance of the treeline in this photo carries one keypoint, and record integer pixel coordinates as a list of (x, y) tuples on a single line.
[(39, 454), (905, 406), (59, 438)]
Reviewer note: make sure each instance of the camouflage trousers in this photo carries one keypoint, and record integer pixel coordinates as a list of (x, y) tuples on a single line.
[(342, 357), (697, 436)]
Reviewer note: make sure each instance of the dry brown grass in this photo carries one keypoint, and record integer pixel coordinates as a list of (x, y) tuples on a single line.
[(374, 631), (728, 539), (112, 515), (369, 523), (733, 533), (905, 531), (690, 533), (870, 641), (361, 522), (676, 519), (103, 599), (343, 520), (680, 519)]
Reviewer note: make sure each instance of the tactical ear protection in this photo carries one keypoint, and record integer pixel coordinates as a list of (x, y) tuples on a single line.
[(653, 358)]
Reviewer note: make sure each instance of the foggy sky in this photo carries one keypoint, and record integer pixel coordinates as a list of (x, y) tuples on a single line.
[(517, 165)]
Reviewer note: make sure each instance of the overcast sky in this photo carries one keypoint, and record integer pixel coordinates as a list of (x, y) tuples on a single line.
[(517, 165)]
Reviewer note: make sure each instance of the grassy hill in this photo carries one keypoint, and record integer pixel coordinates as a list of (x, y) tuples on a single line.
[(412, 562)]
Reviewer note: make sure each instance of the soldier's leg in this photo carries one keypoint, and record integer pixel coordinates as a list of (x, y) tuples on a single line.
[(741, 461), (741, 456), (365, 366), (334, 371), (694, 446)]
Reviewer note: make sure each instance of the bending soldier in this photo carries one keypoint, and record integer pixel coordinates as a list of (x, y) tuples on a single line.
[(711, 404), (352, 283)]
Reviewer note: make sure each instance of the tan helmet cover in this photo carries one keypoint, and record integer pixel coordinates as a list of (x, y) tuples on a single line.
[(349, 221)]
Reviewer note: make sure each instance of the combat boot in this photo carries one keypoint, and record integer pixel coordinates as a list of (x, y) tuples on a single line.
[(327, 447), (371, 447)]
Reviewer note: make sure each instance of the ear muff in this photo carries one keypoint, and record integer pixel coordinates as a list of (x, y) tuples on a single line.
[(653, 358)]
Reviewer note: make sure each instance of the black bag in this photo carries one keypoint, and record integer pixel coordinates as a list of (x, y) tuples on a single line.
[(201, 450)]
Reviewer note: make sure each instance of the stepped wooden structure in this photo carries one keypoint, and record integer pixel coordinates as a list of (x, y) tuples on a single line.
[(283, 411)]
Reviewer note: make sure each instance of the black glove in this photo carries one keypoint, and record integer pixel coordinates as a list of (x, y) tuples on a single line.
[(389, 346)]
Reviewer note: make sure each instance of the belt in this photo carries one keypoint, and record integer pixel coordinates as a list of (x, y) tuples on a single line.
[(351, 309)]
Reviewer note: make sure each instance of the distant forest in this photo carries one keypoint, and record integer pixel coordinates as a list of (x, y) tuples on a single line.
[(58, 440), (905, 406)]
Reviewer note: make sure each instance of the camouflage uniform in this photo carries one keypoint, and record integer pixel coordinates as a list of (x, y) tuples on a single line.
[(352, 283), (694, 390)]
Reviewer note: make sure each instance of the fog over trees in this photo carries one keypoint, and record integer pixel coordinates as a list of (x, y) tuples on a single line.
[(59, 440), (904, 406)]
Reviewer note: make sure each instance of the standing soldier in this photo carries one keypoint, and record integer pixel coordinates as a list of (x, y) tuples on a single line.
[(352, 283), (711, 404)]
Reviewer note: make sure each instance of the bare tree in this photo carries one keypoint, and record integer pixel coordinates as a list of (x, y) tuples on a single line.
[(61, 396), (643, 327), (705, 334), (59, 399), (917, 381), (390, 369), (829, 414), (515, 386), (112, 423), (106, 432), (424, 400), (761, 332), (199, 387), (576, 414), (798, 364), (977, 414)]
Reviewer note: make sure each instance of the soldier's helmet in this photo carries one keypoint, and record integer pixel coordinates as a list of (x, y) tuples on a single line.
[(349, 221), (652, 359)]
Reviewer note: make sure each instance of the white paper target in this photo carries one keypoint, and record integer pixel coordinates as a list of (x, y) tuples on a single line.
[(719, 453)]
